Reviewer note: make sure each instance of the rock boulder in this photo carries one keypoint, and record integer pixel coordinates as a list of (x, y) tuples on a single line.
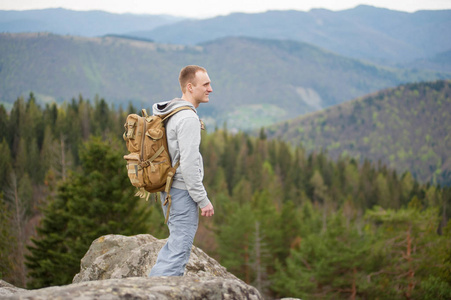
[(116, 267), (7, 289), (118, 256), (138, 288)]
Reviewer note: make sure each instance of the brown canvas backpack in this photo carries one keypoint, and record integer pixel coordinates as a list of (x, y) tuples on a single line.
[(148, 163)]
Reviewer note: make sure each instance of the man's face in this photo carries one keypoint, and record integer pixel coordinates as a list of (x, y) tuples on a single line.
[(201, 87)]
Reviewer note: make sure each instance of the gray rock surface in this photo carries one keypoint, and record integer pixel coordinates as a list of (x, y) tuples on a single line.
[(138, 288), (118, 256), (116, 267), (7, 289)]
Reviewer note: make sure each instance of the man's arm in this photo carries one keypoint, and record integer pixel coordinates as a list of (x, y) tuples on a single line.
[(188, 137)]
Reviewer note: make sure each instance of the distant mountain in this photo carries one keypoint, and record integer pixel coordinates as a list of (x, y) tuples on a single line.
[(365, 32), (375, 34), (440, 62), (84, 23), (406, 128), (255, 82)]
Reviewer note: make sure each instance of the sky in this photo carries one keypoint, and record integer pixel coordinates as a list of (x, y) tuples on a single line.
[(211, 8)]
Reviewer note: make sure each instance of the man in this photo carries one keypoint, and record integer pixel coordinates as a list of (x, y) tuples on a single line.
[(188, 193)]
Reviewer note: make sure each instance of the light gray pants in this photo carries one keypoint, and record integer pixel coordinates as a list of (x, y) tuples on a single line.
[(182, 224)]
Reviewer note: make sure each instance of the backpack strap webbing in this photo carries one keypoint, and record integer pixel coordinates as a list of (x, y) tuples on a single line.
[(168, 199), (165, 117), (148, 162)]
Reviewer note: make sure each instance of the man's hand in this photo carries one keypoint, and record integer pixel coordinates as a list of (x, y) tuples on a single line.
[(208, 210)]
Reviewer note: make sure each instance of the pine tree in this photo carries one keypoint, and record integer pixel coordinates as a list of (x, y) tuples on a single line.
[(18, 211), (33, 122), (5, 164), (101, 117), (290, 225), (33, 165), (330, 263), (97, 201), (47, 154), (3, 123), (16, 128), (407, 250), (7, 242), (25, 194), (437, 283), (235, 240), (49, 115), (20, 161)]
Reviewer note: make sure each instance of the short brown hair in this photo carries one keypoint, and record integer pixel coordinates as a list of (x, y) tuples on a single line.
[(187, 74)]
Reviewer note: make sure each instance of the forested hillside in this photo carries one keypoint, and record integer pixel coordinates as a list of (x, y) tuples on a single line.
[(440, 62), (406, 128), (291, 223), (255, 82)]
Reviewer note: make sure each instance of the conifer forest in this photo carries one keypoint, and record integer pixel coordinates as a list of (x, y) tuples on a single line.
[(290, 222)]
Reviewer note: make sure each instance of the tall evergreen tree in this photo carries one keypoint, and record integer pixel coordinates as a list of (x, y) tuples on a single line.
[(235, 240), (5, 164), (7, 241), (290, 225), (18, 208), (20, 162), (97, 201), (330, 263), (408, 251), (33, 122), (33, 165), (16, 128), (3, 123)]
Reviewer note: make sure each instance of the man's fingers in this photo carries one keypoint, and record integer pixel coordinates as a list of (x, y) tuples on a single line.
[(208, 212)]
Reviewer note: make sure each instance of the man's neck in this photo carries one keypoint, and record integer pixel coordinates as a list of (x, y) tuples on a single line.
[(190, 100)]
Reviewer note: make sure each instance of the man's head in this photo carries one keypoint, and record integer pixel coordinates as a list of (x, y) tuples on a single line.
[(195, 84)]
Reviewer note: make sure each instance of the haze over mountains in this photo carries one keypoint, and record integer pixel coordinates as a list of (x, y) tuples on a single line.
[(266, 67), (256, 82), (83, 23), (365, 32)]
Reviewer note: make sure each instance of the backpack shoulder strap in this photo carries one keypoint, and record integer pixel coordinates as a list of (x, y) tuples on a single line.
[(167, 116)]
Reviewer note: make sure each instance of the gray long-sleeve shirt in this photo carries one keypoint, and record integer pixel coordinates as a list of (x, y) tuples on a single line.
[(183, 131)]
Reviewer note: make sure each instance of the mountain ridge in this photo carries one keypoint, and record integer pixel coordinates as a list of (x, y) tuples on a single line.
[(407, 128), (85, 23), (365, 32), (266, 80), (380, 35)]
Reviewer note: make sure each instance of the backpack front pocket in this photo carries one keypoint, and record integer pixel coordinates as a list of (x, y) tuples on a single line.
[(155, 173), (134, 171)]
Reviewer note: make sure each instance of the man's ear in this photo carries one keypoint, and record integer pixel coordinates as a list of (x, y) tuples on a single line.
[(189, 87)]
